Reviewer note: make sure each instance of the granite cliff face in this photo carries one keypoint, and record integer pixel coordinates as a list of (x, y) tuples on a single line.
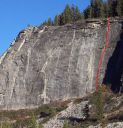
[(55, 63)]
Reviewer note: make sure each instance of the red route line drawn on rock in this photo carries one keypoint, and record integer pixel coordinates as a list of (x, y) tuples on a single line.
[(103, 54)]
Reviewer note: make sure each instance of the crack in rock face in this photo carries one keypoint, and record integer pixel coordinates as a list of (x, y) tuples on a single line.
[(53, 63)]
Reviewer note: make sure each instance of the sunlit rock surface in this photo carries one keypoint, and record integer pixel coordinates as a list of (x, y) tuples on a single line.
[(54, 63)]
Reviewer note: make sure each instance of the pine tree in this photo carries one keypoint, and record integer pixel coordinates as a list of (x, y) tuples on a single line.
[(61, 19), (73, 13), (92, 10), (82, 15), (44, 23), (77, 14), (67, 15), (49, 22), (112, 8), (87, 13), (104, 11), (99, 104), (56, 20), (109, 3), (96, 8), (120, 7)]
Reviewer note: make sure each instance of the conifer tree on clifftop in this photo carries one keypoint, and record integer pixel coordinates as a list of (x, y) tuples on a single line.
[(87, 12), (96, 9), (67, 15), (56, 20), (112, 8), (75, 13), (120, 7), (103, 10)]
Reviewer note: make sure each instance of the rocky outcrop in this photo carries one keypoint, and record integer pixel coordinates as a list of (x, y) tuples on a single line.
[(54, 63), (73, 112), (110, 125)]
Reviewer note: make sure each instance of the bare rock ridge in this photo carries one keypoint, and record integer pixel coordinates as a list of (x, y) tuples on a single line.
[(56, 63)]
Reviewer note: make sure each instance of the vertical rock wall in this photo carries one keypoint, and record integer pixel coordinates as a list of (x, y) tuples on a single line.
[(55, 63)]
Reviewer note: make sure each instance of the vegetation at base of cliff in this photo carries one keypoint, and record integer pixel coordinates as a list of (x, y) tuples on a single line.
[(49, 109), (106, 107), (99, 100), (111, 108), (32, 123), (99, 104), (6, 125), (103, 107), (66, 124), (96, 9), (28, 117)]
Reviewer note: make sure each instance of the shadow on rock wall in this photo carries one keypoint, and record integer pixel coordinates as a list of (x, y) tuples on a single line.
[(114, 71)]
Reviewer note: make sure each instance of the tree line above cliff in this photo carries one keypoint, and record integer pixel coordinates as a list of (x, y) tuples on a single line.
[(96, 9)]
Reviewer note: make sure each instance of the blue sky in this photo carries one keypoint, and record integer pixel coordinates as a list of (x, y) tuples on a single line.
[(15, 15)]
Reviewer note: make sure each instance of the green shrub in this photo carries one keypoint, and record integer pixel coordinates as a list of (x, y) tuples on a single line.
[(66, 124), (20, 123), (99, 102), (6, 125), (77, 125), (33, 122)]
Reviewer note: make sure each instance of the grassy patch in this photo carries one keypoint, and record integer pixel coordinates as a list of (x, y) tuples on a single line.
[(23, 117)]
